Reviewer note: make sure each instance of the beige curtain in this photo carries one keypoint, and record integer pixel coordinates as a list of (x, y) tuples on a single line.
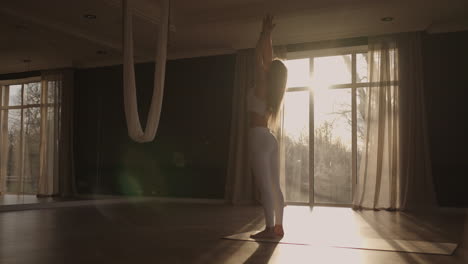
[(394, 170), (240, 186), (49, 133), (56, 151), (3, 138), (416, 184)]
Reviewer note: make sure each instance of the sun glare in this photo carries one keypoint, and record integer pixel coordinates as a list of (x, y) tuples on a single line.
[(330, 126), (327, 103), (296, 114)]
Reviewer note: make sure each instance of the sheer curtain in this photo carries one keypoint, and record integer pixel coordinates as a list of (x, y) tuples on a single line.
[(48, 136), (394, 171), (56, 151), (240, 186), (3, 137)]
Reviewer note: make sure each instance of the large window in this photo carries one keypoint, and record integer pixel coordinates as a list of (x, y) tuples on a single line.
[(325, 99), (26, 110)]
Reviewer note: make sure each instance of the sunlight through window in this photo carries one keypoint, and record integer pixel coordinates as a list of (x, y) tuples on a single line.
[(331, 70), (296, 145), (296, 131), (298, 73), (331, 80)]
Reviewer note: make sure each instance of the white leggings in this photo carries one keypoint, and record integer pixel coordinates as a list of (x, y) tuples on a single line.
[(264, 159)]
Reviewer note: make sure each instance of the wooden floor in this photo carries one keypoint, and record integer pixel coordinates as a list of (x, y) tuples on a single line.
[(164, 232)]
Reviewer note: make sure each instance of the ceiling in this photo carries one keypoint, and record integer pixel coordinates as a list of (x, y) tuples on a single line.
[(53, 33)]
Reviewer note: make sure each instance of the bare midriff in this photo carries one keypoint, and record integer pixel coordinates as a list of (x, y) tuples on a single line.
[(257, 120)]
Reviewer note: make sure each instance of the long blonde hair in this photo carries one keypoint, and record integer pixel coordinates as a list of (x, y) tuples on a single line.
[(276, 85)]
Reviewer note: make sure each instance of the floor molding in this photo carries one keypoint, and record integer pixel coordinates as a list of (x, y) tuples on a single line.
[(93, 200)]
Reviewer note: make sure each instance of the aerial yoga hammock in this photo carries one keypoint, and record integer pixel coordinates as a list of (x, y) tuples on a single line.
[(135, 130)]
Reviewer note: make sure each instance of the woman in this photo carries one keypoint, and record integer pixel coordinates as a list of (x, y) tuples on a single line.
[(264, 103)]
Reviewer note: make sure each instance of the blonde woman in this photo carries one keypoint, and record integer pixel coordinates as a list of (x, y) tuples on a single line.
[(264, 102)]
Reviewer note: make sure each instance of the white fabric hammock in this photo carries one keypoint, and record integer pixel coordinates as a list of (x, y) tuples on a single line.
[(135, 130)]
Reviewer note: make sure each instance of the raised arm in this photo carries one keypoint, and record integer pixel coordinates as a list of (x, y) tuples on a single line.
[(259, 65), (267, 46), (263, 56)]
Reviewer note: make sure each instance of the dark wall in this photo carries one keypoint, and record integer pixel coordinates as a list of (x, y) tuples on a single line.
[(188, 157), (446, 81)]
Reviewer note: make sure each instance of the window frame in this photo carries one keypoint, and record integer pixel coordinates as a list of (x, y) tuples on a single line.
[(24, 81), (354, 85)]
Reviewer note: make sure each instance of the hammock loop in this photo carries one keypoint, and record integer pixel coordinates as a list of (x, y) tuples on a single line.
[(135, 131)]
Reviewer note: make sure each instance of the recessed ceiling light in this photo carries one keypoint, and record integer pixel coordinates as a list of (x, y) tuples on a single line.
[(89, 16), (387, 19)]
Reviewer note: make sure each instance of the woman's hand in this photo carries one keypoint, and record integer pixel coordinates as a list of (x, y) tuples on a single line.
[(267, 26), (264, 52)]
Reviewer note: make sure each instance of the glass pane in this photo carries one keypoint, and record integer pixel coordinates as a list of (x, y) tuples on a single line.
[(296, 146), (332, 70), (32, 93), (15, 95), (31, 142), (361, 102), (298, 73), (13, 172), (361, 68), (332, 149)]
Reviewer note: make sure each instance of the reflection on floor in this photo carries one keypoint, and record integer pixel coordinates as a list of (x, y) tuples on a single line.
[(13, 199), (319, 234), (163, 232)]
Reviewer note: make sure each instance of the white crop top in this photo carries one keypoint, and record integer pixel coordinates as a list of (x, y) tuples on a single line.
[(255, 104)]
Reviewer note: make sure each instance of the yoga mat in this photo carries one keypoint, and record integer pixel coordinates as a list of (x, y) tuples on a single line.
[(410, 246)]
